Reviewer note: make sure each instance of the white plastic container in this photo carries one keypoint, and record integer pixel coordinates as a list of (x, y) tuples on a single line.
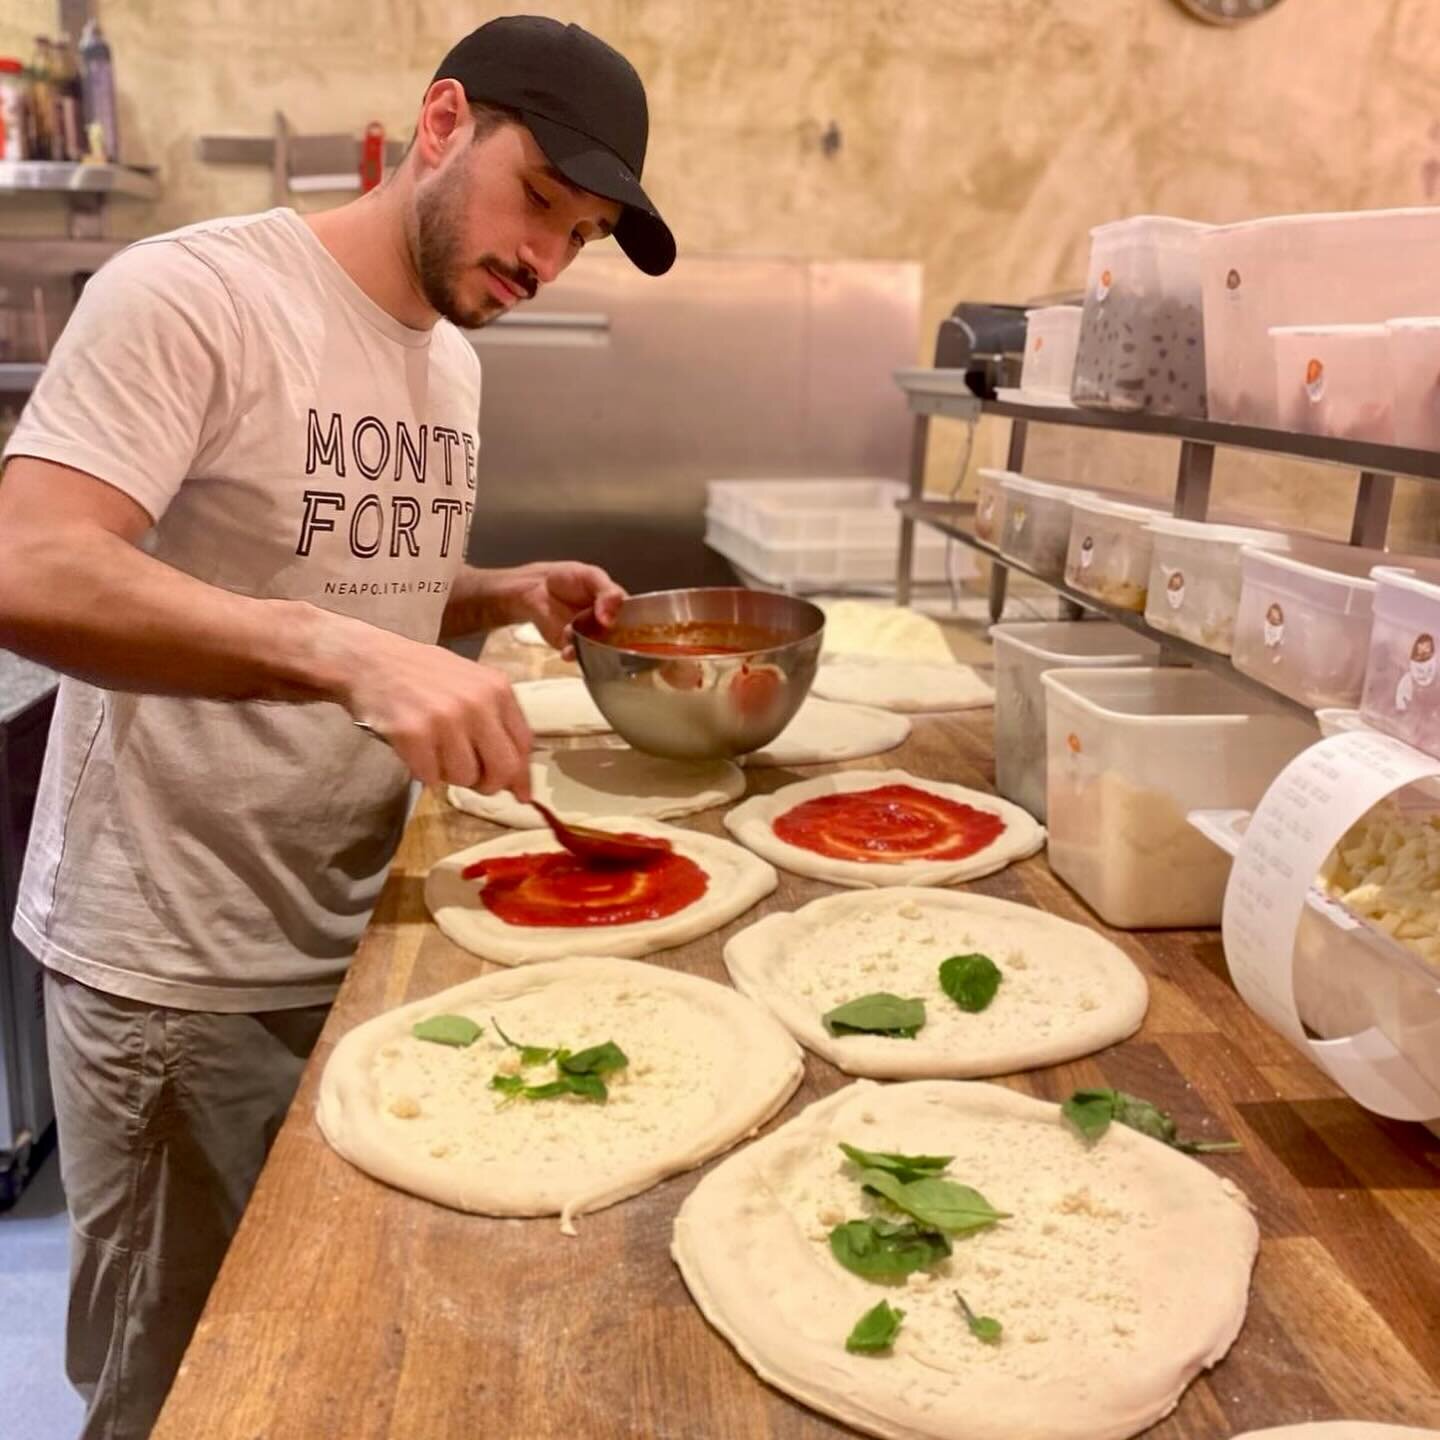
[(1358, 267), (1052, 335), (1351, 977), (1130, 753), (1195, 578), (1303, 627), (809, 535), (1023, 653), (1109, 551), (1335, 380), (1142, 344), (1414, 345), (1036, 530), (1402, 696), (990, 505)]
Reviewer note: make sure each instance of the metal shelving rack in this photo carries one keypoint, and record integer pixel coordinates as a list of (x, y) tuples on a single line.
[(944, 394)]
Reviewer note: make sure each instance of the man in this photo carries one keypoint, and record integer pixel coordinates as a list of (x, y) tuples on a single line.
[(235, 514)]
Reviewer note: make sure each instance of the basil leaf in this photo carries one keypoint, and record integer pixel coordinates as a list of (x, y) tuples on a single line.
[(588, 1087), (935, 1203), (453, 1030), (529, 1054), (878, 1014), (879, 1250), (597, 1060), (875, 1330), (1091, 1111), (970, 980), (985, 1328), (905, 1167)]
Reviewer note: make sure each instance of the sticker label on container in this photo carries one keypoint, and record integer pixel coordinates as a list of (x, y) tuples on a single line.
[(1420, 675), (1315, 381), (1103, 284), (1274, 626), (1300, 819), (1175, 589), (1087, 552)]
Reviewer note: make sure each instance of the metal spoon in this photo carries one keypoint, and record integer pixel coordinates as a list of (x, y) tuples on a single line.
[(600, 847)]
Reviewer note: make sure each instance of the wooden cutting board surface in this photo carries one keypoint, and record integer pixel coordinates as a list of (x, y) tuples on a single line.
[(349, 1310)]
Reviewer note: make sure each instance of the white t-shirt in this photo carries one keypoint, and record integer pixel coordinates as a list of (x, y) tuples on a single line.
[(290, 439)]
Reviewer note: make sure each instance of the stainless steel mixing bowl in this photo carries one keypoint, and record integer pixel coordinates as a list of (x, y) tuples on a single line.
[(691, 706)]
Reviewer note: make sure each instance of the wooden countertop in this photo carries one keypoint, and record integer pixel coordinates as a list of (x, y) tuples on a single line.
[(349, 1310)]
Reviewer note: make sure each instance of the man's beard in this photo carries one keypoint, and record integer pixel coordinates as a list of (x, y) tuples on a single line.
[(441, 265)]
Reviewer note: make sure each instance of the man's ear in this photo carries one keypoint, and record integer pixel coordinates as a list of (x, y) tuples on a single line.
[(444, 122)]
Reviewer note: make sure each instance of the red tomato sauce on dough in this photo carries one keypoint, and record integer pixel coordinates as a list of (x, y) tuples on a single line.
[(888, 823), (560, 889)]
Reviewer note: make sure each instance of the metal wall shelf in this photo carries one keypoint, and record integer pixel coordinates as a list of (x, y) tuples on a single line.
[(943, 394), (942, 515), (17, 379), (55, 177)]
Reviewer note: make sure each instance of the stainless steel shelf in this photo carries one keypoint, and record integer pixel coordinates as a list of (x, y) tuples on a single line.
[(18, 379), (942, 515), (943, 392), (65, 178)]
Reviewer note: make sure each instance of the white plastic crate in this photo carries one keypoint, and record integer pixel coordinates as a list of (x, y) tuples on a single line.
[(819, 534)]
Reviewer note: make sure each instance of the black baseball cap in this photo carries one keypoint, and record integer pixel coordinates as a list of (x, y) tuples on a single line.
[(585, 106)]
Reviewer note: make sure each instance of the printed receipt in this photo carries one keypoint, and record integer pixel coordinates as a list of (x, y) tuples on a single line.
[(1313, 802)]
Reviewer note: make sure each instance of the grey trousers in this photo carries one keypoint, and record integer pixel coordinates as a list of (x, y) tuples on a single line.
[(164, 1119)]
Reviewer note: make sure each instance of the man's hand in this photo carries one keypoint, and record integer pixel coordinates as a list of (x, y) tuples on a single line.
[(560, 593), (450, 720)]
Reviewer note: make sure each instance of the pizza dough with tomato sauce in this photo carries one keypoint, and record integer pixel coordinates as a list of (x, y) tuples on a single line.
[(867, 828), (544, 904)]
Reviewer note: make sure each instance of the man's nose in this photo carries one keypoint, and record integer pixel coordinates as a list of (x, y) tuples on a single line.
[(544, 256)]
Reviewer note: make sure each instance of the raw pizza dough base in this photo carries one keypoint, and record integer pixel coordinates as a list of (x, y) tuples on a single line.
[(751, 824), (737, 880), (707, 1067), (824, 731), (590, 783), (528, 633), (894, 632), (1066, 991), (1341, 1430), (911, 687), (1122, 1273), (560, 706)]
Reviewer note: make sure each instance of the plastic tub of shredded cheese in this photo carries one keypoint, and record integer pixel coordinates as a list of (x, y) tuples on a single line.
[(1130, 752)]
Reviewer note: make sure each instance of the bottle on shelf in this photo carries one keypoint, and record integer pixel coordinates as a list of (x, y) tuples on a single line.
[(97, 79), (42, 104), (14, 89), (70, 138)]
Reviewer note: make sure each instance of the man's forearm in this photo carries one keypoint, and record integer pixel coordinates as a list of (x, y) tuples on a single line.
[(91, 604), (487, 599)]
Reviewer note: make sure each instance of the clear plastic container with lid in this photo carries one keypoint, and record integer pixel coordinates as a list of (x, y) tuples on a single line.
[(1402, 696), (1052, 334), (1130, 753), (1357, 267), (1303, 627), (1195, 578), (990, 505), (1036, 531), (1142, 342), (1109, 551), (1414, 345), (1335, 380), (1023, 653)]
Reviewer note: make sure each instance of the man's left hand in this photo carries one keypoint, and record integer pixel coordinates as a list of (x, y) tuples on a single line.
[(560, 592)]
